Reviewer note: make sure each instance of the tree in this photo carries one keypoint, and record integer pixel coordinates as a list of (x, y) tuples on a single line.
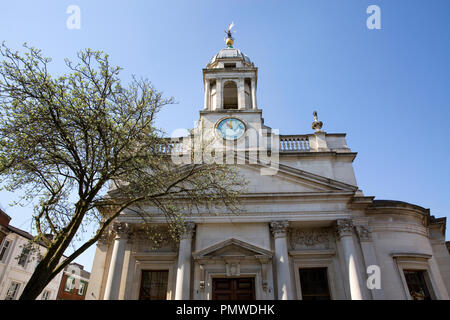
[(66, 139)]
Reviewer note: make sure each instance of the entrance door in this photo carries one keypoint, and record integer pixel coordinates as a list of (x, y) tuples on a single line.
[(233, 289)]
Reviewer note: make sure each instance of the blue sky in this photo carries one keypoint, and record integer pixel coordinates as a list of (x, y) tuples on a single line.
[(388, 89)]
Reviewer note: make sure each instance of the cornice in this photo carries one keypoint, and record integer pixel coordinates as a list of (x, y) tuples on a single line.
[(227, 111), (260, 217), (312, 154)]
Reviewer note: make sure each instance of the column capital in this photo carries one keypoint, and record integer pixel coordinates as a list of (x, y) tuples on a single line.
[(364, 233), (188, 231), (121, 229), (344, 228), (279, 228), (105, 237)]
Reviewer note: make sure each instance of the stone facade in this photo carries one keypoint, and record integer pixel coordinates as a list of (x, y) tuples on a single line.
[(17, 264), (309, 214)]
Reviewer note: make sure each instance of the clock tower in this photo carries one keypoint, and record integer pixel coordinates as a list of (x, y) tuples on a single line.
[(230, 112)]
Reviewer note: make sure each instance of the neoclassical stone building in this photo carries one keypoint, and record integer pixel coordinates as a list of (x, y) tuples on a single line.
[(308, 231)]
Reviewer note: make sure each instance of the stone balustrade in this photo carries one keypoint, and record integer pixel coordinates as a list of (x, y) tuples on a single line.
[(288, 143), (171, 145), (294, 143)]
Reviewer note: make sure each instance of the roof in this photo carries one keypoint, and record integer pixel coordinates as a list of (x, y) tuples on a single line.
[(24, 234), (82, 273), (395, 204), (228, 53)]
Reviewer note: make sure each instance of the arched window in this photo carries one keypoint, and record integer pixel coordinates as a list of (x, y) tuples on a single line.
[(230, 95)]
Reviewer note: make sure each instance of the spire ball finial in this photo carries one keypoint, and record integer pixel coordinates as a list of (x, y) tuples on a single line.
[(316, 125), (229, 40)]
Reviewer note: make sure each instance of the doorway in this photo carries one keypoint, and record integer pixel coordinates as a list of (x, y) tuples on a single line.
[(233, 289)]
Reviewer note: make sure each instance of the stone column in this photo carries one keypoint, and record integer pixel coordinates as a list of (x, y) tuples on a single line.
[(370, 258), (182, 289), (254, 105), (241, 94), (284, 278), (98, 267), (345, 234), (207, 94), (219, 94), (117, 259)]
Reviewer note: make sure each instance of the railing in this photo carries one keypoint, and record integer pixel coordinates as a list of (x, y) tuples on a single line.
[(172, 145), (294, 143), (288, 143)]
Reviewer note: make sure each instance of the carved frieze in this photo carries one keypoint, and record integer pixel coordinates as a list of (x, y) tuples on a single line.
[(152, 239), (310, 238)]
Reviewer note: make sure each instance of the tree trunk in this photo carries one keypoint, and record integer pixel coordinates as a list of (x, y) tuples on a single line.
[(38, 281), (35, 285), (42, 275)]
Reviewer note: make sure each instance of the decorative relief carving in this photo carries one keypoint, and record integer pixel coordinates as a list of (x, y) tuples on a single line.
[(233, 268), (279, 228), (364, 233), (316, 125), (106, 237), (152, 239), (121, 229), (264, 265), (344, 227), (188, 232), (317, 238), (202, 276)]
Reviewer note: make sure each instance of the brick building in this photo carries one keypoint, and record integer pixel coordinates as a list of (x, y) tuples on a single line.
[(74, 283)]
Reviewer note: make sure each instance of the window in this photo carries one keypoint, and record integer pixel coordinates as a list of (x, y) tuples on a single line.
[(4, 250), (81, 288), (416, 275), (70, 284), (12, 291), (229, 65), (23, 259), (154, 285), (45, 295), (415, 279), (38, 260), (314, 284), (230, 95)]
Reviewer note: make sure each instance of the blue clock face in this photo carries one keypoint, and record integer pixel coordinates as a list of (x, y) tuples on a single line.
[(231, 128)]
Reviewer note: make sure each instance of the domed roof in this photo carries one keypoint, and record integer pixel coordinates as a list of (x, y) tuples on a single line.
[(230, 53)]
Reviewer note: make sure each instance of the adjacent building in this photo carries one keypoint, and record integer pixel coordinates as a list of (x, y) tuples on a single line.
[(307, 232), (74, 283), (18, 261)]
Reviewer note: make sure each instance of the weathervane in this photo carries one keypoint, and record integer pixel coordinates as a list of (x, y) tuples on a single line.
[(229, 40)]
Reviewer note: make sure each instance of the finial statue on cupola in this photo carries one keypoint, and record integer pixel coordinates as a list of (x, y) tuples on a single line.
[(229, 40), (316, 125)]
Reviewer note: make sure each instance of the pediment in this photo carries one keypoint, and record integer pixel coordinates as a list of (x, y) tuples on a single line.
[(232, 248), (286, 179), (289, 179)]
